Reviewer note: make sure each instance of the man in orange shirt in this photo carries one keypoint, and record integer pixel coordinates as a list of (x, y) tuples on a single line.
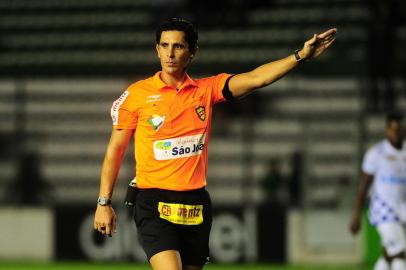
[(169, 115)]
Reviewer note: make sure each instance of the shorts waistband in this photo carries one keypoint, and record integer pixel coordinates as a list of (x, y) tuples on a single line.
[(164, 193)]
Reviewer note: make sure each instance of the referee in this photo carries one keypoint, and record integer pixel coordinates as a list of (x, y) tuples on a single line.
[(169, 116)]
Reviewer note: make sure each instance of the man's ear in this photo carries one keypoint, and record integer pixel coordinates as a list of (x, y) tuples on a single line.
[(195, 52), (192, 55), (157, 50)]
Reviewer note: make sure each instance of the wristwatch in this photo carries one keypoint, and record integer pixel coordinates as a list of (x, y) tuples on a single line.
[(298, 58), (103, 201)]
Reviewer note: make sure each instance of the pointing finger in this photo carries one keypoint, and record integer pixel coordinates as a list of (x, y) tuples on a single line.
[(330, 32), (329, 43)]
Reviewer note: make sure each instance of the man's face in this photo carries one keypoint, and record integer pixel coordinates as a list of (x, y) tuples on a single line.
[(173, 52), (394, 132)]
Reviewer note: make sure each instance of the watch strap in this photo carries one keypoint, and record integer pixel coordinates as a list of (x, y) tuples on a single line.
[(103, 201), (298, 58)]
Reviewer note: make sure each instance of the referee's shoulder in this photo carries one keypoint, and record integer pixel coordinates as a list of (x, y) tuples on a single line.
[(140, 84), (209, 78)]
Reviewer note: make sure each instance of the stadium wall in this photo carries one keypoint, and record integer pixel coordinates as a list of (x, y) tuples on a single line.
[(26, 233)]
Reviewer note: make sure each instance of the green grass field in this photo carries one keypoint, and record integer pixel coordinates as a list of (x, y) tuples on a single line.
[(127, 266)]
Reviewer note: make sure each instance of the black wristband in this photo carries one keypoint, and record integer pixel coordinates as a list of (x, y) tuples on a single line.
[(298, 58), (226, 90)]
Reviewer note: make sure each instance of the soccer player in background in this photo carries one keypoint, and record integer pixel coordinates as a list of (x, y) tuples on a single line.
[(384, 167), (169, 115)]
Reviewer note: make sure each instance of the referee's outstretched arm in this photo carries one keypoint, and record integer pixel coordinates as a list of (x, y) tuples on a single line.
[(244, 83)]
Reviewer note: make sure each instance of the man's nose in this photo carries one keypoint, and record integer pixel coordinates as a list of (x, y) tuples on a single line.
[(171, 52)]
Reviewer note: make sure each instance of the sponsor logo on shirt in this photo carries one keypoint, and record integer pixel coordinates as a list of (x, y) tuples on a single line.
[(201, 112), (164, 145), (116, 106), (156, 121), (179, 147), (391, 158), (153, 98), (393, 179)]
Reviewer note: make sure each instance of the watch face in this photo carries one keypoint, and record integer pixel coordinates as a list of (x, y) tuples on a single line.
[(103, 201)]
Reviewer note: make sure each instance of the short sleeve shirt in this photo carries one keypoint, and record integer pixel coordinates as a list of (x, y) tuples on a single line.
[(388, 166), (172, 129)]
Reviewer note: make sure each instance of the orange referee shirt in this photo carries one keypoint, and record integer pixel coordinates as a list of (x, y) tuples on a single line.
[(172, 129)]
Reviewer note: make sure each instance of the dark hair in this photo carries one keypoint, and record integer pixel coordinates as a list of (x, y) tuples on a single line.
[(394, 116), (178, 24)]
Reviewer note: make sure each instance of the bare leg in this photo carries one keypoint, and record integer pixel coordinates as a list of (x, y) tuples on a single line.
[(166, 260)]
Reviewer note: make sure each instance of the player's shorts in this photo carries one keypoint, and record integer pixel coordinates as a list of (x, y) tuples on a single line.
[(175, 220), (392, 237)]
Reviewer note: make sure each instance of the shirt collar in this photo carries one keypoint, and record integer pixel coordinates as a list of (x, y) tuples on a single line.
[(391, 148), (161, 84)]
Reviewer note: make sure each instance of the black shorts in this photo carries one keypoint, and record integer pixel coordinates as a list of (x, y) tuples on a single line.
[(175, 220)]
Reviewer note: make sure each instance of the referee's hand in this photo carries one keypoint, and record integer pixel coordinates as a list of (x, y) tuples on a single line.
[(105, 220), (316, 46)]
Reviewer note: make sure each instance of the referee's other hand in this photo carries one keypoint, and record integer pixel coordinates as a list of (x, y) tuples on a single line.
[(105, 220)]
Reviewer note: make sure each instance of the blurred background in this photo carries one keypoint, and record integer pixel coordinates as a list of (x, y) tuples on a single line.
[(284, 162)]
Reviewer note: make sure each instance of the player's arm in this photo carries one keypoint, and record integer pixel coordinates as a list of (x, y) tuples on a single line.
[(105, 218), (363, 188), (244, 83)]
